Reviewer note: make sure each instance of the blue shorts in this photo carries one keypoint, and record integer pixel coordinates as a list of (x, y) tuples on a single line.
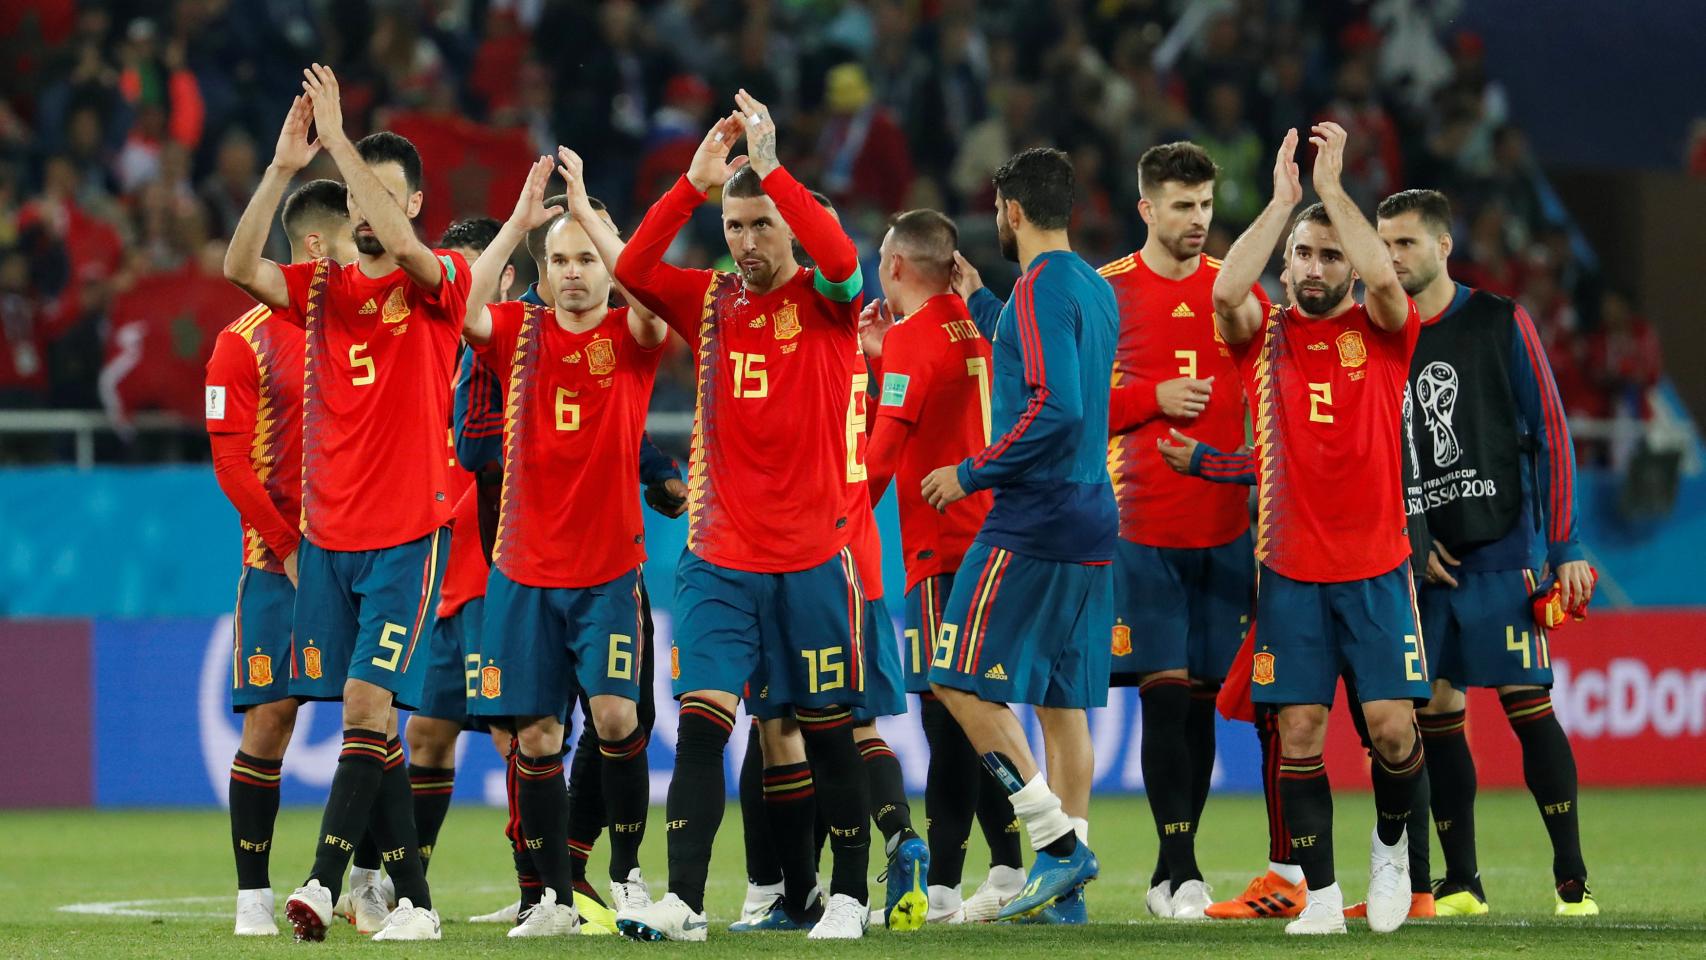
[(1307, 634), (1483, 633), (798, 637), (362, 614), (1017, 629), (1181, 609), (885, 681), (453, 670), (924, 604), (543, 646), (260, 639)]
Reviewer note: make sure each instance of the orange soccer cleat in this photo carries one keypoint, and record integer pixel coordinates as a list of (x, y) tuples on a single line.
[(1421, 908), (1268, 897)]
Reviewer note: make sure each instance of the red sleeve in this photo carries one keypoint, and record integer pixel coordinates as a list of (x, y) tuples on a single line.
[(233, 387), (1131, 405), (675, 294), (453, 283), (882, 455), (236, 476), (908, 368), (298, 277), (819, 233), (496, 352)]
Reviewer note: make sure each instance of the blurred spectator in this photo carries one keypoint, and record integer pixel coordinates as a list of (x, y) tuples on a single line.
[(864, 155), (1623, 360), (1239, 191), (1374, 165)]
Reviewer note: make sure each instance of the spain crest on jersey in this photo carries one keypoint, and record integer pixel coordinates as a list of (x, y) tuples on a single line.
[(311, 663), (1122, 640), (491, 682), (260, 670), (785, 323), (675, 663), (1262, 669), (1352, 352), (396, 309), (601, 357)]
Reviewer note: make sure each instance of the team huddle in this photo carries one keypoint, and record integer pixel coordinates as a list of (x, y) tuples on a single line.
[(1070, 469)]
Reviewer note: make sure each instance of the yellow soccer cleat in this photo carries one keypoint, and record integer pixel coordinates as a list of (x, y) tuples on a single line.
[(1453, 899), (597, 920), (1574, 899)]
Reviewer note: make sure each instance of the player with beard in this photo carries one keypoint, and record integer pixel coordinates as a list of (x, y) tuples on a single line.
[(1326, 377), (1494, 472), (1184, 577)]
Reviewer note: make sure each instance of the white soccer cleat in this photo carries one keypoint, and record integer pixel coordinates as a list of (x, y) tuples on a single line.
[(1324, 913), (844, 918), (368, 909), (946, 905), (667, 919), (996, 891), (409, 922), (630, 894), (1191, 899), (1388, 883), (547, 918), (1159, 900), (309, 910), (759, 897), (255, 914), (507, 915)]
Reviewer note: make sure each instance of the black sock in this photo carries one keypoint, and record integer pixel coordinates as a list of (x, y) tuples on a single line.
[(1002, 831), (393, 829), (526, 873), (1452, 782), (1167, 773), (1199, 733), (790, 808), (1395, 787), (254, 809), (1420, 867), (1267, 734), (1308, 806), (586, 800), (627, 794), (694, 809), (349, 807), (844, 796), (366, 855), (543, 802), (1549, 767), (762, 866), (431, 787), (887, 784), (950, 792)]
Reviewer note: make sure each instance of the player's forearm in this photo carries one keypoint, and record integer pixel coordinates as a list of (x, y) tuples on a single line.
[(1216, 467), (483, 280), (244, 265), (1131, 405), (1384, 296), (391, 226), (985, 308), (1237, 310), (889, 436), (818, 231), (237, 480), (1041, 435), (655, 465), (640, 269)]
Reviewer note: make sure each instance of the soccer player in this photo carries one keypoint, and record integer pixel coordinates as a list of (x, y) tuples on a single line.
[(934, 404), (768, 590), (254, 423), (1494, 470), (1031, 625), (1184, 573), (564, 610), (381, 341), (1326, 378)]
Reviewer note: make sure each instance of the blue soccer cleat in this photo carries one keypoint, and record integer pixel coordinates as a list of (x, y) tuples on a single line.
[(908, 901), (1070, 910), (1052, 878), (777, 919)]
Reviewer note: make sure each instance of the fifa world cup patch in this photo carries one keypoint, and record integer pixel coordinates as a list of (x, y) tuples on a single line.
[(785, 323), (1262, 669), (1122, 640), (894, 389), (1352, 351), (311, 663), (215, 402), (601, 357), (491, 682), (260, 670)]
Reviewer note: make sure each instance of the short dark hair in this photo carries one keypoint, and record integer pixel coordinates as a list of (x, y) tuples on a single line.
[(538, 235), (745, 183), (1040, 180), (313, 205), (1430, 205), (388, 147), (1315, 213), (474, 233), (1179, 162), (930, 239)]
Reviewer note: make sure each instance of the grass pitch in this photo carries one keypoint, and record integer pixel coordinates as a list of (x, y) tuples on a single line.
[(158, 884)]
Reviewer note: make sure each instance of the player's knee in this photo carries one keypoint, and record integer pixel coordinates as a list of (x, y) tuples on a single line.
[(366, 706), (1446, 699), (614, 717), (781, 742), (267, 728), (1303, 730), (502, 741), (541, 738), (1393, 734)]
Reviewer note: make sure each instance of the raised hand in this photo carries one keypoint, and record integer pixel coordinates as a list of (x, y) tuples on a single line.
[(1329, 141), (760, 132), (965, 279), (321, 85), (295, 150), (573, 171), (1288, 180), (875, 321), (711, 166), (530, 211)]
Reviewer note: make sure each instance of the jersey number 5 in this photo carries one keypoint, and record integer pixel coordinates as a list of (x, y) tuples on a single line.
[(358, 360)]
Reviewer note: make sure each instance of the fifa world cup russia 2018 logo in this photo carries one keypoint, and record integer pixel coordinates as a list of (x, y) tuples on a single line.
[(1122, 640), (1262, 669), (491, 682), (1436, 392)]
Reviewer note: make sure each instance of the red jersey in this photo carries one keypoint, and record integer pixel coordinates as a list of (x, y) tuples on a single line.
[(465, 569), (936, 378), (254, 387), (777, 417), (1329, 397), (376, 399), (574, 410), (1167, 331)]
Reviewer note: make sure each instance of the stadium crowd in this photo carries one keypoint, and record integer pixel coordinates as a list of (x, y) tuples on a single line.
[(129, 142)]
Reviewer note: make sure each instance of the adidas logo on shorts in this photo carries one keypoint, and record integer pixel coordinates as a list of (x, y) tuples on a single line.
[(995, 673)]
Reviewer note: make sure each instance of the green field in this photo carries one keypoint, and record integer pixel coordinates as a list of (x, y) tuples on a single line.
[(173, 871)]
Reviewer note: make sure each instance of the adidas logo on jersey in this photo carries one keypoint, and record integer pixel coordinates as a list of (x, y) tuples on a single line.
[(1183, 310), (1319, 345), (371, 306), (995, 673)]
